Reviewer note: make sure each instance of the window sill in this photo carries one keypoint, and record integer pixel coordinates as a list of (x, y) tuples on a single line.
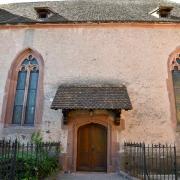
[(13, 131), (13, 126)]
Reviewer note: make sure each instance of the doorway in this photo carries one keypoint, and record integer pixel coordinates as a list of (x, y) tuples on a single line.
[(92, 148)]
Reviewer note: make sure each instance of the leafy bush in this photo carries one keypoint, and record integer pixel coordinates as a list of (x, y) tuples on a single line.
[(47, 167), (37, 162), (33, 161), (36, 137), (32, 168)]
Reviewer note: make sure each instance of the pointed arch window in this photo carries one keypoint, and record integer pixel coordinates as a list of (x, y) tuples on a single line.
[(175, 72), (23, 99), (26, 91)]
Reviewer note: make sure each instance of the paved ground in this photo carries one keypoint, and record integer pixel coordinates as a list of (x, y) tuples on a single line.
[(88, 176)]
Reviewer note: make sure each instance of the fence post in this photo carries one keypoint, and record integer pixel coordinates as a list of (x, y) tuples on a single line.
[(145, 166), (144, 159), (13, 167), (175, 170), (37, 155)]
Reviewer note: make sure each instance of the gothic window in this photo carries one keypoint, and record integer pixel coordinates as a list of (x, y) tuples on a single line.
[(26, 90), (175, 69), (23, 97)]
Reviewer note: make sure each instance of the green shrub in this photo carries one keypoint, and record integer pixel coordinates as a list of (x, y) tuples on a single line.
[(33, 168), (30, 166), (36, 137), (47, 167), (29, 162)]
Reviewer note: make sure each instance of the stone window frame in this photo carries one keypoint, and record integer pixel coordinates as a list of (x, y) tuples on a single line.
[(10, 89), (172, 64)]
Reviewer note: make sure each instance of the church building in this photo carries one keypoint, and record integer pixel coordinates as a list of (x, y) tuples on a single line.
[(91, 74)]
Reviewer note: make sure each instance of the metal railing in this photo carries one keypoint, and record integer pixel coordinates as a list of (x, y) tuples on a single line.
[(155, 161), (16, 158)]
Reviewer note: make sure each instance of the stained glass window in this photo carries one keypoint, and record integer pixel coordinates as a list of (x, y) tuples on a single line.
[(26, 90), (176, 83)]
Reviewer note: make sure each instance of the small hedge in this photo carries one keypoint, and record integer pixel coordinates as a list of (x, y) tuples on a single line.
[(29, 167), (33, 168), (31, 161), (37, 162)]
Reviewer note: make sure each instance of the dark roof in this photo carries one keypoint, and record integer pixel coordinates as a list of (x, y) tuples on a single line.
[(7, 17), (78, 11), (68, 97)]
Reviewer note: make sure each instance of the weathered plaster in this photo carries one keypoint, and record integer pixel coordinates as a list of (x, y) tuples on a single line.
[(136, 57)]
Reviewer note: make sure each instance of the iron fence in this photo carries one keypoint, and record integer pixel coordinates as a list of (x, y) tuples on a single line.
[(155, 161), (16, 158)]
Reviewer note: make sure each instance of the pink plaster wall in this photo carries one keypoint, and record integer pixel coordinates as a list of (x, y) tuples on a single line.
[(136, 57)]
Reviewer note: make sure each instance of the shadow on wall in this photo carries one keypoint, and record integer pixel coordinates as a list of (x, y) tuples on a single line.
[(91, 82)]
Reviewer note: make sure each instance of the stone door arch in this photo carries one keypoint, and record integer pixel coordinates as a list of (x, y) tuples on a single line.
[(77, 119)]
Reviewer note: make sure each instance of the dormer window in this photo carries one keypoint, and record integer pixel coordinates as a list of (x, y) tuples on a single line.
[(162, 11), (43, 12)]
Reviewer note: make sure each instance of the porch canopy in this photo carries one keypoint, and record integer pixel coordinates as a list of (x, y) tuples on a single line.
[(88, 97)]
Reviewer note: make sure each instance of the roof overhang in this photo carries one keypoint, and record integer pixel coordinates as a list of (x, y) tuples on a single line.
[(80, 97), (113, 99)]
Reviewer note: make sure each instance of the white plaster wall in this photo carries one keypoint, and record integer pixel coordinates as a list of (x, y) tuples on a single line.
[(136, 57)]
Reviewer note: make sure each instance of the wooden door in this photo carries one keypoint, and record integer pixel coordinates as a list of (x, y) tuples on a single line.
[(92, 148)]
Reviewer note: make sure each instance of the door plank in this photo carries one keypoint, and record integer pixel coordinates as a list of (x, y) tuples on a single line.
[(99, 150), (92, 148), (83, 149)]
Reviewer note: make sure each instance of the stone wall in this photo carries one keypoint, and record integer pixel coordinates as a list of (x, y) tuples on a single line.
[(133, 56)]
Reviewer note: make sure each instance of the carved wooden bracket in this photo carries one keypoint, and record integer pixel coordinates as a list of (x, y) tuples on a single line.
[(117, 117), (65, 115), (116, 114)]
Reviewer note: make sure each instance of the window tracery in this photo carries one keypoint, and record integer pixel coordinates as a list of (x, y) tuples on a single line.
[(175, 70), (26, 90), (175, 63)]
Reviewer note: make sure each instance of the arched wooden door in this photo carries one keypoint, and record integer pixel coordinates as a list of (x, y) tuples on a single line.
[(92, 148)]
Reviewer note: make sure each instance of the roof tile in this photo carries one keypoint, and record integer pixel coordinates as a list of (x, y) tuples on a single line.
[(71, 97), (78, 11)]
